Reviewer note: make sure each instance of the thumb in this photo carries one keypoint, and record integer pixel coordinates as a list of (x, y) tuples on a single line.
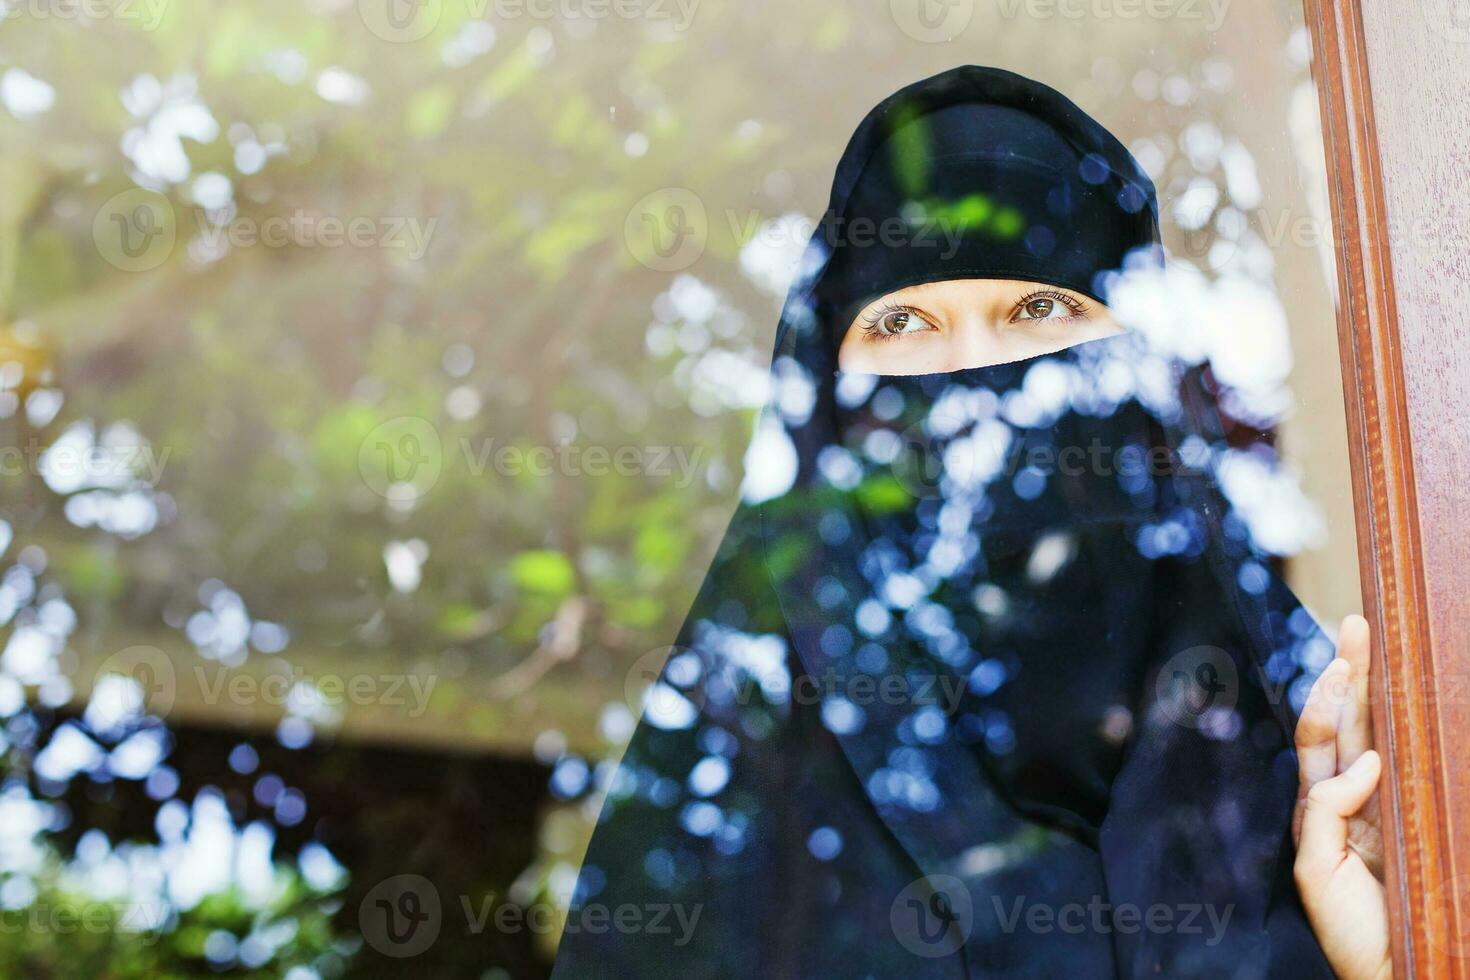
[(1329, 805)]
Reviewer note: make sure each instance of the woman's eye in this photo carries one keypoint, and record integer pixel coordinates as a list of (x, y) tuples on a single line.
[(1050, 306), (895, 323)]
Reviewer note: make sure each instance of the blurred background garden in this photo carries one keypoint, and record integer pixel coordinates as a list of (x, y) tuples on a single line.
[(375, 377)]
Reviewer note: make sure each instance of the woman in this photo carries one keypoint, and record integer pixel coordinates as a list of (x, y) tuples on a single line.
[(988, 677)]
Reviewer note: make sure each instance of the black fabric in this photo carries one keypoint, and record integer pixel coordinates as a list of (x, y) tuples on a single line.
[(999, 684), (1019, 184)]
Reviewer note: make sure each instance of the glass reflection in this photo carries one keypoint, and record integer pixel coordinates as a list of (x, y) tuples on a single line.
[(995, 656)]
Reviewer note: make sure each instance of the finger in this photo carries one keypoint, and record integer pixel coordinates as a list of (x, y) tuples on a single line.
[(1316, 737), (1355, 729), (1325, 823), (1316, 729)]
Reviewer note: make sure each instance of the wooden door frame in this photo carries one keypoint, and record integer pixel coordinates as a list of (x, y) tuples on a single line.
[(1393, 357)]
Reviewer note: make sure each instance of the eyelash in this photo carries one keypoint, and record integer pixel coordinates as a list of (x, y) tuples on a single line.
[(1078, 308), (1079, 312), (874, 318)]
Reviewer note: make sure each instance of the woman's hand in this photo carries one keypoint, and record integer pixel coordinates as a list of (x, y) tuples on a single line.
[(1339, 858)]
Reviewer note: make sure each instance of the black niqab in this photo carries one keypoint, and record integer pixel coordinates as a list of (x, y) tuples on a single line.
[(998, 684)]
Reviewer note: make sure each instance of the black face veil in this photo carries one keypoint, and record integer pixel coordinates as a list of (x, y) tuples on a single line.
[(990, 676)]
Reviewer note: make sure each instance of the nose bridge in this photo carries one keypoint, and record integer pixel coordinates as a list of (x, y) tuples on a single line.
[(976, 338)]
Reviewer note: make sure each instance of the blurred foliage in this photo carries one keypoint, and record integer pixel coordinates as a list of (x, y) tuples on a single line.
[(238, 389)]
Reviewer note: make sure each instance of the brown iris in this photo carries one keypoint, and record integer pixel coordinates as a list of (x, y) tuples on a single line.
[(895, 322)]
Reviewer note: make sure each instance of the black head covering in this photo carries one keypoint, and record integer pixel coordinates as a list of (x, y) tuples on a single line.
[(1022, 185), (986, 671)]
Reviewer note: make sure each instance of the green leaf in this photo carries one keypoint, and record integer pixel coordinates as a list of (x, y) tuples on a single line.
[(430, 111), (884, 495), (548, 572)]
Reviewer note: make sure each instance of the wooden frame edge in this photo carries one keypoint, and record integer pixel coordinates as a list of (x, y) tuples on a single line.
[(1384, 497)]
